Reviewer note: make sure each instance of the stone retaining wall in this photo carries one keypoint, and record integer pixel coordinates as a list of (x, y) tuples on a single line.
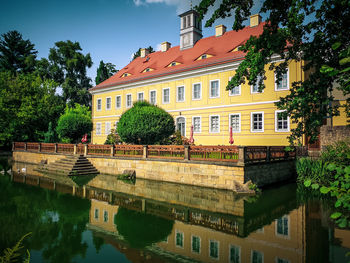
[(330, 135)]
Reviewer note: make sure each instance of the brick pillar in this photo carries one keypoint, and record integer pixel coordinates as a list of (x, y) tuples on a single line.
[(75, 149), (145, 152), (112, 150), (241, 155), (187, 152), (85, 149)]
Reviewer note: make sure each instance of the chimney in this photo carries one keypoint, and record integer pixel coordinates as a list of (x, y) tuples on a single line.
[(220, 30), (255, 20), (144, 52), (165, 46)]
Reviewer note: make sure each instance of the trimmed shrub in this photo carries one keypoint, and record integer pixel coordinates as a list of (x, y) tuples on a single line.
[(145, 124)]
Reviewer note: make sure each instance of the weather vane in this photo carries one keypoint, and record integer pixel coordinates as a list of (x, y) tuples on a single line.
[(191, 4)]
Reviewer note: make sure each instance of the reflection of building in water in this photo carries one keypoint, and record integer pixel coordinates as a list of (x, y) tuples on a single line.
[(281, 241)]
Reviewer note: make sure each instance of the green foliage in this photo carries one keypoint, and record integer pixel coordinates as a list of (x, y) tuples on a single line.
[(14, 253), (311, 31), (145, 124), (16, 54), (67, 66), (74, 123), (113, 138), (330, 175), (104, 71), (50, 135), (138, 52), (27, 105)]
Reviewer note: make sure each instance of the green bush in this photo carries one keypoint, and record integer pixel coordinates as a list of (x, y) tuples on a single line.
[(145, 124), (74, 123), (112, 138), (338, 153)]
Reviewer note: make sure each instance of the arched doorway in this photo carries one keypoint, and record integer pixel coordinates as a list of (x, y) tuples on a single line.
[(181, 125)]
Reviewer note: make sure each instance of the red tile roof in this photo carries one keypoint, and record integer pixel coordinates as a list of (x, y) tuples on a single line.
[(219, 47)]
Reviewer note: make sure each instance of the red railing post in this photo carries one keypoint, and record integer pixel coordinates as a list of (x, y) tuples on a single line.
[(187, 152), (145, 152), (112, 150), (39, 147)]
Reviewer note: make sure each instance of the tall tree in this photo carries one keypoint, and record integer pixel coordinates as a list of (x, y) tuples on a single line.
[(104, 71), (295, 30), (16, 54), (138, 52), (68, 67)]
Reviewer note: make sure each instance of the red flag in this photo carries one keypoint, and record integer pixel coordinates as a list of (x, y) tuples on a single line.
[(191, 137), (231, 141)]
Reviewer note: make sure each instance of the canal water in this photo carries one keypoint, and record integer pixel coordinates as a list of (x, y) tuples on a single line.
[(102, 219)]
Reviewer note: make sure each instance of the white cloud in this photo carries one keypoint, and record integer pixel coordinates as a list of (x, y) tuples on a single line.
[(181, 5), (159, 47), (138, 2)]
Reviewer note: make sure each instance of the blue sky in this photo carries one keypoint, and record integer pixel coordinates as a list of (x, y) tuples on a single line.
[(110, 30)]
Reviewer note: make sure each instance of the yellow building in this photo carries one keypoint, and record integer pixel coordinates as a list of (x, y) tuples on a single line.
[(189, 81)]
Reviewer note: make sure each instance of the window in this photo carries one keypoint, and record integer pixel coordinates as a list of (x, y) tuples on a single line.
[(108, 103), (98, 128), (196, 244), (147, 69), (235, 122), (235, 91), (196, 122), (188, 21), (153, 97), (214, 89), (128, 100), (282, 260), (140, 96), (173, 64), (184, 26), (282, 226), (283, 84), (257, 257), (257, 122), (255, 86), (181, 125), (96, 213), (281, 123), (108, 128), (166, 95), (235, 254), (105, 216), (179, 239), (214, 123), (214, 249), (197, 91), (118, 102), (180, 94), (204, 56), (116, 126), (99, 104)]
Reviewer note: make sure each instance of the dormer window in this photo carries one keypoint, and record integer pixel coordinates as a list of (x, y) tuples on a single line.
[(173, 64), (204, 56), (147, 70), (126, 74)]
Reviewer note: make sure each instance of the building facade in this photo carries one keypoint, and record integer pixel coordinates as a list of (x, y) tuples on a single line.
[(189, 81)]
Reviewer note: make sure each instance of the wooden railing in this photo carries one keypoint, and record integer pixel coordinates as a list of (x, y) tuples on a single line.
[(166, 151), (233, 154), (214, 153)]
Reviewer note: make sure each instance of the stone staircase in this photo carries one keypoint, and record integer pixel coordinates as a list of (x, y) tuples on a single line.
[(72, 165)]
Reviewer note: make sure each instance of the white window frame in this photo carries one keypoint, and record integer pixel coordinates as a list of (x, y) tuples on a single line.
[(282, 235), (200, 124), (214, 97), (251, 86), (229, 252), (276, 122), (200, 245), (218, 242), (126, 101), (183, 238), (200, 93), (143, 96), (98, 214), (155, 97), (251, 255), (177, 93), (97, 100), (210, 130), (163, 102), (276, 86), (110, 103), (116, 100), (110, 127), (252, 121), (239, 90), (176, 123), (240, 122), (98, 131)]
